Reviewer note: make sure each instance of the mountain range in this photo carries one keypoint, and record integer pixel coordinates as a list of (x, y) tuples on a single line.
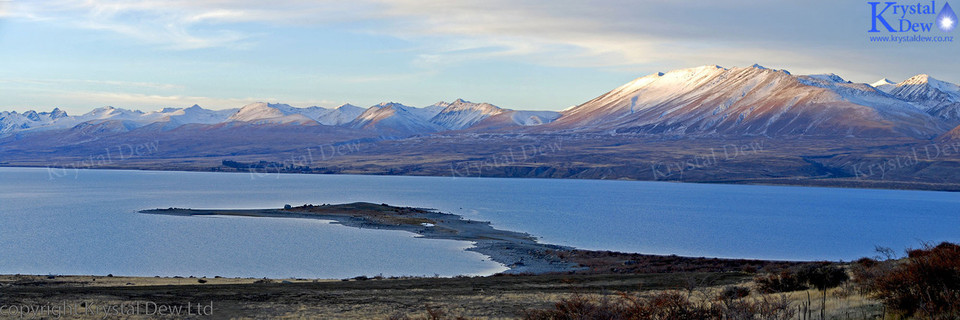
[(702, 101), (658, 117)]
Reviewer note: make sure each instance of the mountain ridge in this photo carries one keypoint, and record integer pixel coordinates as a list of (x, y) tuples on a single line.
[(701, 101)]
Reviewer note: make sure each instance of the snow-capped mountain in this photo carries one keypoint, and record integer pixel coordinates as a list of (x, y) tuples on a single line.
[(270, 113), (938, 98), (395, 120), (884, 85), (712, 100), (515, 119), (196, 114), (30, 120), (112, 113), (261, 112), (462, 114), (340, 115), (708, 100)]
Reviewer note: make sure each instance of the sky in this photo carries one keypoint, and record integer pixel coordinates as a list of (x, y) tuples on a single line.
[(533, 55)]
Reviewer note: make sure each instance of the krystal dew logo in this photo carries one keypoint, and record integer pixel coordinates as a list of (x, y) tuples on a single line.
[(915, 22)]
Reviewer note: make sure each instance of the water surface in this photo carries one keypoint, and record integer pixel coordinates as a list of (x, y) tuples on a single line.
[(85, 222)]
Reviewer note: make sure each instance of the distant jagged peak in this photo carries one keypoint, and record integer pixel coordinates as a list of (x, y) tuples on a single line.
[(461, 104), (923, 87), (56, 113), (881, 82), (391, 105), (925, 79), (919, 79)]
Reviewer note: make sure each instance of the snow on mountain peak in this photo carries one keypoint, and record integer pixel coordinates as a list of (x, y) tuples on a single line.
[(340, 115), (881, 82), (751, 100), (393, 120), (918, 79), (828, 77), (56, 113), (679, 76), (256, 111), (885, 85), (943, 86), (462, 114)]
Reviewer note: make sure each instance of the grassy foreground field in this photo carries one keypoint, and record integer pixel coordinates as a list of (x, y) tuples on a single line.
[(495, 297)]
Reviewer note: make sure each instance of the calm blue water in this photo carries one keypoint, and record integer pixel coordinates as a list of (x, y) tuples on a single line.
[(85, 222)]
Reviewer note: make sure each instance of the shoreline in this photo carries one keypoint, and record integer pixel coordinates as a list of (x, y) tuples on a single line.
[(520, 252), (838, 183)]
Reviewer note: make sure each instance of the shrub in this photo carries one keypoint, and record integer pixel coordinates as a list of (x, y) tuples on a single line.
[(866, 271), (733, 292), (926, 283), (823, 276), (784, 281)]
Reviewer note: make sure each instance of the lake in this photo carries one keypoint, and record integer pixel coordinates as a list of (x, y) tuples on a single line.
[(86, 222)]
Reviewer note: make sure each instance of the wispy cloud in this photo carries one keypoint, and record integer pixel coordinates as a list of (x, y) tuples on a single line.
[(79, 101), (112, 83), (177, 24), (635, 37), (621, 34)]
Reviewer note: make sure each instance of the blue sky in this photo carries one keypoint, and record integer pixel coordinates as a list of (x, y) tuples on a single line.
[(538, 55)]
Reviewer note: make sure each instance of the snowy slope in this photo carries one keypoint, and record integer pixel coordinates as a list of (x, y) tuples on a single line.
[(938, 98), (428, 112), (11, 122), (884, 85), (340, 115), (395, 120), (283, 113), (515, 119), (711, 100), (196, 114), (260, 113), (462, 114), (533, 118)]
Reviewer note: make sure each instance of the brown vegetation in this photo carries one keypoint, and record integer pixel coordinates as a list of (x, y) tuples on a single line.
[(606, 262), (925, 284), (664, 305)]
